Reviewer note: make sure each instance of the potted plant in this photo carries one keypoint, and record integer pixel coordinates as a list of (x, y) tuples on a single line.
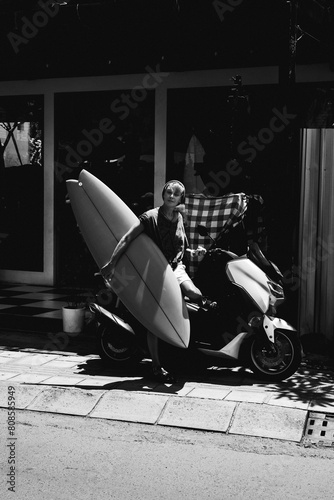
[(74, 314)]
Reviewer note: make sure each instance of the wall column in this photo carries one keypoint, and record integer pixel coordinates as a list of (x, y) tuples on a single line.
[(316, 251)]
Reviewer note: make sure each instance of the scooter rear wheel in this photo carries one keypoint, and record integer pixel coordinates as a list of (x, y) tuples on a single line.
[(118, 349), (278, 362)]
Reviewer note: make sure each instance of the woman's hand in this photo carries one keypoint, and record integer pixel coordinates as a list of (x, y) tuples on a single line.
[(180, 208), (199, 252), (108, 271)]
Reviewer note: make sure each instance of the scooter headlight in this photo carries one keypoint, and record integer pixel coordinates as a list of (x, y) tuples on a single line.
[(276, 290)]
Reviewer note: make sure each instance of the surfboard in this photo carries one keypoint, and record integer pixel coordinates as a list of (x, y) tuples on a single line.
[(144, 281)]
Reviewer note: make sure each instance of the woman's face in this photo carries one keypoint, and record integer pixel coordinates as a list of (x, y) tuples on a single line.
[(172, 196)]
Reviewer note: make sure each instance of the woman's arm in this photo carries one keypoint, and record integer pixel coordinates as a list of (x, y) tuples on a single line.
[(108, 270)]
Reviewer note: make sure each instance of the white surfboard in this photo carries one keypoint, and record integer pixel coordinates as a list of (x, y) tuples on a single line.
[(144, 281)]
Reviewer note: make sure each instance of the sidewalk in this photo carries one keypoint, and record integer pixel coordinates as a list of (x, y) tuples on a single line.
[(228, 400)]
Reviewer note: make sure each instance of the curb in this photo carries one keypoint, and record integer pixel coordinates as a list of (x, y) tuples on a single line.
[(232, 417)]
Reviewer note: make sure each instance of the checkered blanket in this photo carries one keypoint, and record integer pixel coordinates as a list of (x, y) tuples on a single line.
[(217, 214)]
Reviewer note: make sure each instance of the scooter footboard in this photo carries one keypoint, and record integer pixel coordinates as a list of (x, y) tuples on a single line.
[(105, 316), (231, 350)]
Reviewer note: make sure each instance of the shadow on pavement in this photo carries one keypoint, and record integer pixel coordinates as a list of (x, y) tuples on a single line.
[(306, 384), (52, 341)]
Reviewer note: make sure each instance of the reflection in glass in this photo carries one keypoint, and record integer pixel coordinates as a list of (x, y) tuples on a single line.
[(114, 142), (21, 187), (21, 143)]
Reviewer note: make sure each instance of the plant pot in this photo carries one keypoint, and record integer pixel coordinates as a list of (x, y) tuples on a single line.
[(73, 319)]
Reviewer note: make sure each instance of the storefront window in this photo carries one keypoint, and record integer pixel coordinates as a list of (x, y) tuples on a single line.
[(223, 140), (110, 134), (205, 127), (21, 183)]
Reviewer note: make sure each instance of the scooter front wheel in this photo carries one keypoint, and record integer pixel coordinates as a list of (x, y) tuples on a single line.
[(118, 349), (276, 362)]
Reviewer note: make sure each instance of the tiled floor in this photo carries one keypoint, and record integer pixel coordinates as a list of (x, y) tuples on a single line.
[(33, 307)]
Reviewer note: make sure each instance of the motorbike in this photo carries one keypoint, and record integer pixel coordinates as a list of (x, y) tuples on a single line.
[(242, 328)]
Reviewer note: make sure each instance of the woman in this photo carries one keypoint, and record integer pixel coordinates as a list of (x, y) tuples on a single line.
[(165, 226)]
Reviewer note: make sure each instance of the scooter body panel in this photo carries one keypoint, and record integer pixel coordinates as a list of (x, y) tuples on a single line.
[(248, 276), (270, 324), (231, 350)]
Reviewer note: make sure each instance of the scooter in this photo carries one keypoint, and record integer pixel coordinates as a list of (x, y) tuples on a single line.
[(242, 328)]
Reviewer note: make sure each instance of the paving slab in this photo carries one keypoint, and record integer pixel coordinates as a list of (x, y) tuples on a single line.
[(288, 401), (201, 392), (130, 407), (12, 354), (196, 413), (29, 378), (249, 396), (23, 395), (61, 364), (79, 359), (98, 381), (7, 375), (63, 380), (67, 400), (251, 419), (34, 359)]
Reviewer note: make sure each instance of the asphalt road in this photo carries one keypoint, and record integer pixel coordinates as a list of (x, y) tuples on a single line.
[(60, 457)]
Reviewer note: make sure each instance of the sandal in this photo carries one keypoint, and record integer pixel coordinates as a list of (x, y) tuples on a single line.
[(161, 375)]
